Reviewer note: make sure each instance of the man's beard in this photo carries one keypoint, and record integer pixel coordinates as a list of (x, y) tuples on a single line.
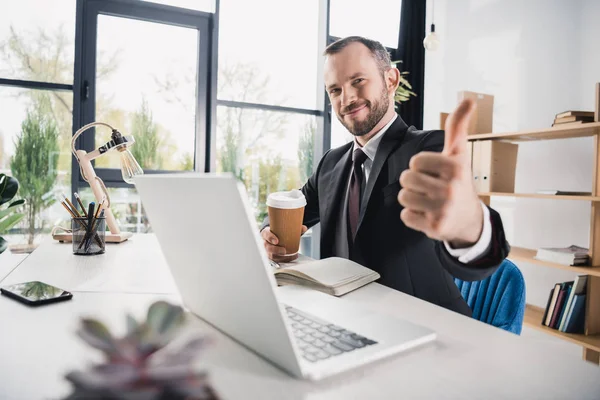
[(376, 109)]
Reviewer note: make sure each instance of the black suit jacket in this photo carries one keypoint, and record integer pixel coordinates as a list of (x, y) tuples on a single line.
[(407, 260)]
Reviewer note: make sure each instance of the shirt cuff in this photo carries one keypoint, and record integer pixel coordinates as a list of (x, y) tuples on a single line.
[(469, 254)]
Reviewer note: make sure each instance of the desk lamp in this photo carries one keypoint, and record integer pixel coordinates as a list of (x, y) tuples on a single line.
[(129, 169)]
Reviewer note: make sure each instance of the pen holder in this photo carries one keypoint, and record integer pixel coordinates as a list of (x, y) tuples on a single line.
[(88, 241)]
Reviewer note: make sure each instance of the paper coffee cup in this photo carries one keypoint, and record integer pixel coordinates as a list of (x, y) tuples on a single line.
[(286, 211)]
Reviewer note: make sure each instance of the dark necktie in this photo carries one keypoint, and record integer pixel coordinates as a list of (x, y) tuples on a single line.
[(354, 193)]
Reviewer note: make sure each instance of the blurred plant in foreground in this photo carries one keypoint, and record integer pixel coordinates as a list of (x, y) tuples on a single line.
[(133, 368)]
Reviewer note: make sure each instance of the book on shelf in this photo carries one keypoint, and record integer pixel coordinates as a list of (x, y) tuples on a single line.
[(573, 113), (572, 255), (563, 192), (565, 288), (569, 123), (334, 275), (576, 319), (565, 308), (573, 117), (579, 288), (551, 305)]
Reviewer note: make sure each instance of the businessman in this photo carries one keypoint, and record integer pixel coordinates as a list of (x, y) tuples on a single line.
[(397, 200)]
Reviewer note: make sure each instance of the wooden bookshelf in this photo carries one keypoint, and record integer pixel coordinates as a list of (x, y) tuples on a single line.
[(557, 132), (533, 319), (590, 340), (540, 196), (527, 255)]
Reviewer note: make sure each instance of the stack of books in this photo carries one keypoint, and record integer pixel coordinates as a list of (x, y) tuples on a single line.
[(573, 117), (565, 309), (572, 255)]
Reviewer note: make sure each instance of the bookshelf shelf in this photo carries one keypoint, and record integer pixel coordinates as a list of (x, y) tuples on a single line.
[(558, 132), (527, 255), (533, 319), (540, 196)]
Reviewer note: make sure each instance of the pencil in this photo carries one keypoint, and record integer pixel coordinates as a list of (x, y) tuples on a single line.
[(100, 207), (80, 204), (68, 209), (72, 206)]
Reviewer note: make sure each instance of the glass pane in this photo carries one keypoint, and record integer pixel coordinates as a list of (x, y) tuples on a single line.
[(35, 147), (146, 87), (199, 5), (268, 151), (126, 206), (268, 52), (339, 134), (379, 21), (37, 40)]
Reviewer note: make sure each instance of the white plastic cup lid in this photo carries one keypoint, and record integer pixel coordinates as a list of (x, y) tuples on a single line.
[(286, 200)]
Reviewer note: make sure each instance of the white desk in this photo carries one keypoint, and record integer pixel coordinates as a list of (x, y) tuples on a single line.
[(468, 360)]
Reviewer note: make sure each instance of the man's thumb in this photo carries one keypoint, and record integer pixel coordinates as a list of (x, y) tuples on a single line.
[(455, 138)]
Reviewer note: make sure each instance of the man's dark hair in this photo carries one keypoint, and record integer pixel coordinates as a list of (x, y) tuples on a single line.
[(377, 50)]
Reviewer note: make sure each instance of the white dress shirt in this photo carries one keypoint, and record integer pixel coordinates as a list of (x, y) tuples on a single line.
[(464, 255)]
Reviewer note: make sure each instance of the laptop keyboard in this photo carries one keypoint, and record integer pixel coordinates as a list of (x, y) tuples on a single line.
[(320, 340)]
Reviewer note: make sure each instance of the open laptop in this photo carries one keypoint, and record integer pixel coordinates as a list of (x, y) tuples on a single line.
[(209, 237)]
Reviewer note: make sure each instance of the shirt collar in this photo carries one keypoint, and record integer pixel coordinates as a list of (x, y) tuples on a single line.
[(370, 149)]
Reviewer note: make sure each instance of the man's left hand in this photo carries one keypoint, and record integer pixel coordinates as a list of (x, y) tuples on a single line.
[(438, 194)]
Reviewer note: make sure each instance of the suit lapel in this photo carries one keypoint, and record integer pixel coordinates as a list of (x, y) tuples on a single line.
[(390, 141), (336, 183)]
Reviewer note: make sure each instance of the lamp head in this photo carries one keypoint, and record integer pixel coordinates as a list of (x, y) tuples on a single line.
[(117, 141), (129, 166)]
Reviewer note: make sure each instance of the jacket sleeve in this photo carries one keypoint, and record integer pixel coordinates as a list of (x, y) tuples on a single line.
[(311, 193), (487, 263)]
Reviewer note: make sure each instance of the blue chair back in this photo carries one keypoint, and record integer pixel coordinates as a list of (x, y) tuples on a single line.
[(498, 300)]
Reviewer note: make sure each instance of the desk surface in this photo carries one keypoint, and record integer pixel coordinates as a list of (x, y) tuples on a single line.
[(468, 360)]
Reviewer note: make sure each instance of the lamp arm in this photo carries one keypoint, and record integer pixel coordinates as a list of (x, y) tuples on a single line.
[(83, 129), (74, 139)]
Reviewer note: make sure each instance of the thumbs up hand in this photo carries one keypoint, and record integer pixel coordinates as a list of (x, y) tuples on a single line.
[(437, 193)]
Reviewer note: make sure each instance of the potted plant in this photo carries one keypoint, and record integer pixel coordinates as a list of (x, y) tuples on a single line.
[(404, 89), (140, 365), (8, 215)]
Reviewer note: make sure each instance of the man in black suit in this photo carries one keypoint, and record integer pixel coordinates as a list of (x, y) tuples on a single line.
[(397, 200)]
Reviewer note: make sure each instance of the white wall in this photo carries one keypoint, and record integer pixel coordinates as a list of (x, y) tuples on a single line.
[(538, 58)]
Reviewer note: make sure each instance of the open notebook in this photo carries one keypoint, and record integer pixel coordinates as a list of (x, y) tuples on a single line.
[(335, 276)]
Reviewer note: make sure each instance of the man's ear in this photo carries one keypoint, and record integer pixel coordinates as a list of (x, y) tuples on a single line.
[(392, 79)]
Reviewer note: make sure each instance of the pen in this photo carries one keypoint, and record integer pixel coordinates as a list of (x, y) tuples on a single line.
[(95, 228), (88, 229)]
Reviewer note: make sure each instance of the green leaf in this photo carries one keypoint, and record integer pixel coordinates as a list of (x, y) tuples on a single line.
[(8, 189), (164, 318), (10, 221), (132, 325), (3, 245), (97, 335), (17, 203)]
